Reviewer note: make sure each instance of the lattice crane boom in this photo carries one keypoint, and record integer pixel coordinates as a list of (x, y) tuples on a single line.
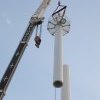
[(36, 19)]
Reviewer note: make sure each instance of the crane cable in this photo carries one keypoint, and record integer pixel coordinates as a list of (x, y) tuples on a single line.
[(55, 94), (40, 31), (59, 2), (36, 31)]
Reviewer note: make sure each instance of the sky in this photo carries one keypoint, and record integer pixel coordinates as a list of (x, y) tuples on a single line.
[(34, 75)]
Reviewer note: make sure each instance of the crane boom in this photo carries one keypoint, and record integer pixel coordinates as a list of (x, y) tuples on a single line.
[(40, 11), (36, 19)]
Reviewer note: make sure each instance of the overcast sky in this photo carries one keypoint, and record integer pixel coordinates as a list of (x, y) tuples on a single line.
[(34, 75)]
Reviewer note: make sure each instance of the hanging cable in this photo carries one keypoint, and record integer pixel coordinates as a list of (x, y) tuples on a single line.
[(37, 38), (55, 94), (36, 30), (40, 30), (58, 2)]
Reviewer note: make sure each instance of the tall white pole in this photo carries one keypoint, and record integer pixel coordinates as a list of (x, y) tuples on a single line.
[(58, 59), (65, 90), (58, 26)]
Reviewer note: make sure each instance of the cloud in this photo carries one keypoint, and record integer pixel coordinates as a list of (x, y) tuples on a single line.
[(5, 18), (8, 21)]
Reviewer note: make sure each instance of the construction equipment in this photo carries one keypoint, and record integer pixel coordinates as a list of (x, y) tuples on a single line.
[(36, 20)]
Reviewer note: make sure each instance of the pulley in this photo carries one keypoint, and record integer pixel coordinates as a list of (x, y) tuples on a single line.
[(38, 36)]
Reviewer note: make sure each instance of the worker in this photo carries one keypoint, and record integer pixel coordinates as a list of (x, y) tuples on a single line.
[(37, 41)]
